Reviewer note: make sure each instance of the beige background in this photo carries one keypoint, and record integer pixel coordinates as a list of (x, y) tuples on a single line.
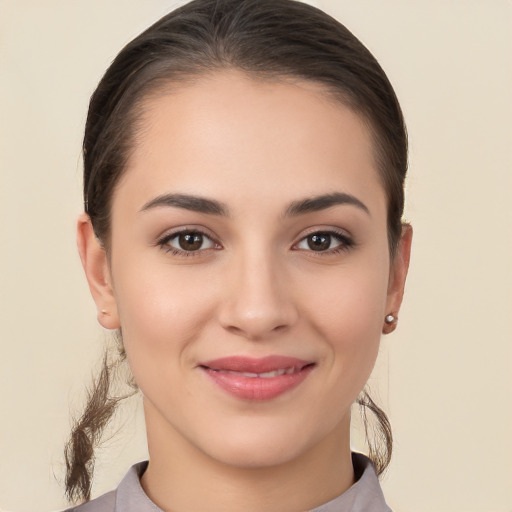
[(445, 376)]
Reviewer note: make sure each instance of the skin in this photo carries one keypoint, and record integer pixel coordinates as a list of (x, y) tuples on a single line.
[(255, 289)]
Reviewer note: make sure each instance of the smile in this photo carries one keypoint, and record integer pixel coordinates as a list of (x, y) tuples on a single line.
[(257, 379), (266, 375)]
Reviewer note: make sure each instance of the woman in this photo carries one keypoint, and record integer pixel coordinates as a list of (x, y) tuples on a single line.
[(244, 167)]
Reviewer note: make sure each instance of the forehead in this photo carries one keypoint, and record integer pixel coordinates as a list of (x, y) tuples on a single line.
[(228, 133)]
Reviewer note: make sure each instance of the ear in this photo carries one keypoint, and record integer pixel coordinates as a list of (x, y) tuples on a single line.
[(397, 276), (95, 263)]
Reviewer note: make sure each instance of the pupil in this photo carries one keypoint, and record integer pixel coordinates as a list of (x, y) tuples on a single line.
[(319, 242), (191, 241)]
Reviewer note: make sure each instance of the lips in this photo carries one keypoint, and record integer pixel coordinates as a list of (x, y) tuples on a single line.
[(257, 379)]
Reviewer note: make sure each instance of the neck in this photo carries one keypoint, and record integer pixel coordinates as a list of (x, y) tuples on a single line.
[(180, 477)]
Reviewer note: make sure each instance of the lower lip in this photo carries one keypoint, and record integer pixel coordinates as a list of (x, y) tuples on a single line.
[(257, 388)]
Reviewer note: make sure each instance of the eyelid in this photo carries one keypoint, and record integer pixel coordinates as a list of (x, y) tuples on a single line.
[(192, 228), (347, 241), (164, 238)]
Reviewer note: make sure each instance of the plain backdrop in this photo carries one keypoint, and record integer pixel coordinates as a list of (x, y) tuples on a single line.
[(444, 377)]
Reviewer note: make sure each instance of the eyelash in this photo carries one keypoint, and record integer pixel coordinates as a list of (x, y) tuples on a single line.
[(164, 241), (346, 243)]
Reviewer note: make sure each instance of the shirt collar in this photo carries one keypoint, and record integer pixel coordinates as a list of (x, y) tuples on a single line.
[(365, 495)]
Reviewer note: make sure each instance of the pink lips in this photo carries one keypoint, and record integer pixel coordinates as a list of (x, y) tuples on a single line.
[(257, 379)]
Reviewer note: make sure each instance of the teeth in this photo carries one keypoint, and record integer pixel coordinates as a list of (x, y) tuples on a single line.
[(265, 375), (275, 373)]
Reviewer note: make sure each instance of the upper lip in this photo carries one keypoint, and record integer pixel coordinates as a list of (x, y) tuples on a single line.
[(255, 365)]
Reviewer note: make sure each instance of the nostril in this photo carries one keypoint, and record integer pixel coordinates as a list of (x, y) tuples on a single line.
[(234, 329), (256, 320)]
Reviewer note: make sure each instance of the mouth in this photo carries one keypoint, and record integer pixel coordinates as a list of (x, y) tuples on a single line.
[(264, 375), (257, 379)]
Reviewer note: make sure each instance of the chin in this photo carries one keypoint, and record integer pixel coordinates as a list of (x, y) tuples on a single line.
[(256, 456), (261, 447)]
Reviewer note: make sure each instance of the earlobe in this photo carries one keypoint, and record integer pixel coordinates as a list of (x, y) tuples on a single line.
[(97, 271), (398, 274)]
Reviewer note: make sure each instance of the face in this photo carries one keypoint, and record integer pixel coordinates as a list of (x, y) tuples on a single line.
[(249, 268)]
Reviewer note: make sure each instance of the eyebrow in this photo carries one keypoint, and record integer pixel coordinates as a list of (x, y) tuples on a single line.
[(188, 202), (214, 207), (322, 202)]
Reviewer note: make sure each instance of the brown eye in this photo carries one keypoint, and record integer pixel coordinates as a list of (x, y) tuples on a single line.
[(319, 241), (324, 241), (190, 241)]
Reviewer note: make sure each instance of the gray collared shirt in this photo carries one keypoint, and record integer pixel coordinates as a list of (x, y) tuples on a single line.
[(365, 495)]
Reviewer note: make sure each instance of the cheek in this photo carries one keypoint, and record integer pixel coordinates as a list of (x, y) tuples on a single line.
[(161, 313), (347, 309)]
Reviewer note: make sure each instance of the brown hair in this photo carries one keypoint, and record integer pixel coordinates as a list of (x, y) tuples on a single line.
[(264, 38)]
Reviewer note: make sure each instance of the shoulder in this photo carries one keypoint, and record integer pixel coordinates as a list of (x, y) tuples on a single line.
[(128, 497), (365, 495), (104, 503)]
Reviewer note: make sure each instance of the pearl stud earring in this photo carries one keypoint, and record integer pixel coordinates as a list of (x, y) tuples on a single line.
[(390, 319)]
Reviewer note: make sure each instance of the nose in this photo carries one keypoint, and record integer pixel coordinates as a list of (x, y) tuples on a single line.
[(258, 300)]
